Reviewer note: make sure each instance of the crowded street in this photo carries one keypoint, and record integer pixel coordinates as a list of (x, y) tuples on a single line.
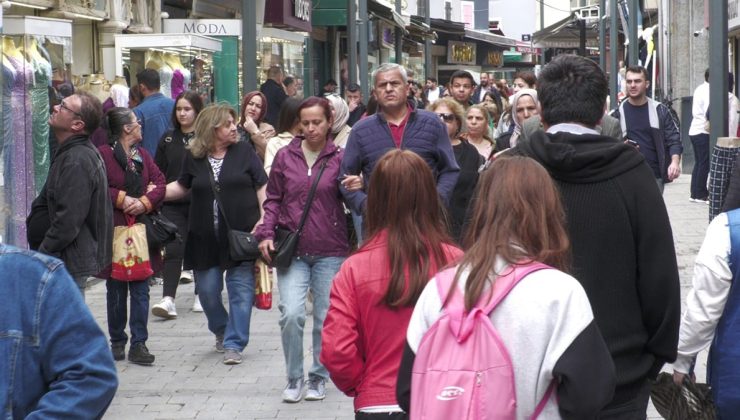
[(188, 380)]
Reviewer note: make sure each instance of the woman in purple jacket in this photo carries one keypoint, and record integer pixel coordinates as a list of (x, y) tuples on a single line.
[(136, 186), (323, 243)]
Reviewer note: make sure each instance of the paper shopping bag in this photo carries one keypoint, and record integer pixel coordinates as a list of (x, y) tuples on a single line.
[(130, 252), (263, 285)]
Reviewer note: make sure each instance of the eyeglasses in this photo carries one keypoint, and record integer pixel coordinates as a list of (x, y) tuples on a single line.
[(61, 105), (446, 117)]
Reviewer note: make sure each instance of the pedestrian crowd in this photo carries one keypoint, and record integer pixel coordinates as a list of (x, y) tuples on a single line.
[(470, 251)]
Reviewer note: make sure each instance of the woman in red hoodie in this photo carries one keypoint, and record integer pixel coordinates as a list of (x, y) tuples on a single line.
[(374, 293)]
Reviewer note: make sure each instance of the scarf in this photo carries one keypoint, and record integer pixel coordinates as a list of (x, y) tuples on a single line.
[(132, 168)]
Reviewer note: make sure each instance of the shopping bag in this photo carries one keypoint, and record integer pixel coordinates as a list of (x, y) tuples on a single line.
[(263, 285), (691, 401), (130, 252)]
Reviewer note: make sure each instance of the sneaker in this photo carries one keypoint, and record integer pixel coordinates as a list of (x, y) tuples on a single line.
[(140, 355), (293, 392), (119, 352), (219, 343), (316, 389), (186, 277), (155, 281), (699, 200), (165, 308), (232, 357), (196, 304)]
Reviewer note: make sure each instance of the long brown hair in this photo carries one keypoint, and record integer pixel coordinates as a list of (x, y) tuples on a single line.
[(402, 200), (518, 216)]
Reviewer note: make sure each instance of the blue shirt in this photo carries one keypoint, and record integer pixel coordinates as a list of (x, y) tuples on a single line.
[(155, 114), (639, 130)]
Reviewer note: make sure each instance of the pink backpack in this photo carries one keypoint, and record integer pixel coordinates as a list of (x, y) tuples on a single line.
[(462, 368)]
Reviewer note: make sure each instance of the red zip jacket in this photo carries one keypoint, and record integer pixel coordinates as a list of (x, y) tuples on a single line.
[(363, 339)]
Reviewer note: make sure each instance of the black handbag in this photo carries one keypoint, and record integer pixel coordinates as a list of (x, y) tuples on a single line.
[(286, 240), (243, 246), (159, 229)]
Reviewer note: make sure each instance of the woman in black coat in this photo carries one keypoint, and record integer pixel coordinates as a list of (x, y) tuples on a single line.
[(468, 159)]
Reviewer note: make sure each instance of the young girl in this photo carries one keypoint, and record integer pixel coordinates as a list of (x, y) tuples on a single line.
[(546, 321), (374, 292)]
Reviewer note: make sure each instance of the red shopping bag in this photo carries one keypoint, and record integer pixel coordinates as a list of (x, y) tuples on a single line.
[(130, 252)]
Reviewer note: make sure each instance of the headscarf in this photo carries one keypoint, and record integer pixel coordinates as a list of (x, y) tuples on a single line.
[(518, 124), (341, 112)]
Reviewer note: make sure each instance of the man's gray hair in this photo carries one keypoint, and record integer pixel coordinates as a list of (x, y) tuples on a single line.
[(385, 68)]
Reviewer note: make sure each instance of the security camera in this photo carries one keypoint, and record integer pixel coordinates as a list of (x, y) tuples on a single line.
[(699, 32)]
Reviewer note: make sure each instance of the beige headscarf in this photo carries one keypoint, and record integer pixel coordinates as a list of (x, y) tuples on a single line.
[(518, 124)]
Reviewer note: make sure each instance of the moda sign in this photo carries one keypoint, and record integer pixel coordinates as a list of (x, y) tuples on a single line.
[(302, 10)]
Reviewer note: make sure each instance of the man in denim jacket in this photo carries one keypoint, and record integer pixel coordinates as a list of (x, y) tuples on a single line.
[(54, 359), (155, 111)]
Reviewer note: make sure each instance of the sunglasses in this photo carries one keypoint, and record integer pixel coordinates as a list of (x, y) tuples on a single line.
[(446, 117)]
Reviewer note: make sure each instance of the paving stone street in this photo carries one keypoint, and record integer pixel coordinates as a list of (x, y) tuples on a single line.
[(189, 381)]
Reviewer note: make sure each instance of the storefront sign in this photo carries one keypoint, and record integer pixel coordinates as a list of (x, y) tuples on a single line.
[(495, 58), (209, 27), (303, 10), (289, 14), (461, 52), (527, 49)]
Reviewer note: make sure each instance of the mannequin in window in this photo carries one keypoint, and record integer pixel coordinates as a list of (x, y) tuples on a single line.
[(157, 62), (39, 91), (180, 75), (98, 90), (18, 138), (119, 92)]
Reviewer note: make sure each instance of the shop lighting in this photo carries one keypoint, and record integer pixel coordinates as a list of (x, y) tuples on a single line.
[(79, 15), (7, 3)]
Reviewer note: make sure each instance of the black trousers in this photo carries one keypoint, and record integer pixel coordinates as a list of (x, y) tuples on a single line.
[(174, 251)]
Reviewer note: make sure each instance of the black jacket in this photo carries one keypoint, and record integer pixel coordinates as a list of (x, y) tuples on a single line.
[(275, 95), (170, 156), (80, 213), (622, 248), (469, 160)]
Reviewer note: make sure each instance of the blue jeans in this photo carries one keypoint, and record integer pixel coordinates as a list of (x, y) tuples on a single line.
[(116, 297), (233, 325), (700, 144), (294, 282)]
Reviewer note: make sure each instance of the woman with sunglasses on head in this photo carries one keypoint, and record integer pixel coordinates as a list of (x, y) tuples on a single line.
[(468, 159), (136, 186), (170, 154), (227, 185), (252, 126)]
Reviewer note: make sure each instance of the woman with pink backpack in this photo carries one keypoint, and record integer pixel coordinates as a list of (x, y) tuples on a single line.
[(507, 334)]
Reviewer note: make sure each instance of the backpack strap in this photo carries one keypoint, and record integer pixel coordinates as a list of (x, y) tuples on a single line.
[(504, 283), (543, 402)]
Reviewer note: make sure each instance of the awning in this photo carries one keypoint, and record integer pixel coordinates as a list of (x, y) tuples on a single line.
[(447, 27), (418, 29), (490, 38), (387, 15), (566, 34)]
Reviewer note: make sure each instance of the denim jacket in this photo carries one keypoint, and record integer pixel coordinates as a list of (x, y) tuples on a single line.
[(54, 359), (155, 114)]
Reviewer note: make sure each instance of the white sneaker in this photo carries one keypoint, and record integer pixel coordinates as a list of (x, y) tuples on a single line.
[(293, 392), (196, 304), (186, 276), (165, 308)]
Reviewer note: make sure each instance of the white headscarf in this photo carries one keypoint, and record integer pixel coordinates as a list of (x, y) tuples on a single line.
[(341, 112), (518, 124)]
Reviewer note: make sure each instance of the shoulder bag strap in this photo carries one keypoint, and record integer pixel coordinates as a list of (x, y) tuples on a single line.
[(215, 188), (310, 196)]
